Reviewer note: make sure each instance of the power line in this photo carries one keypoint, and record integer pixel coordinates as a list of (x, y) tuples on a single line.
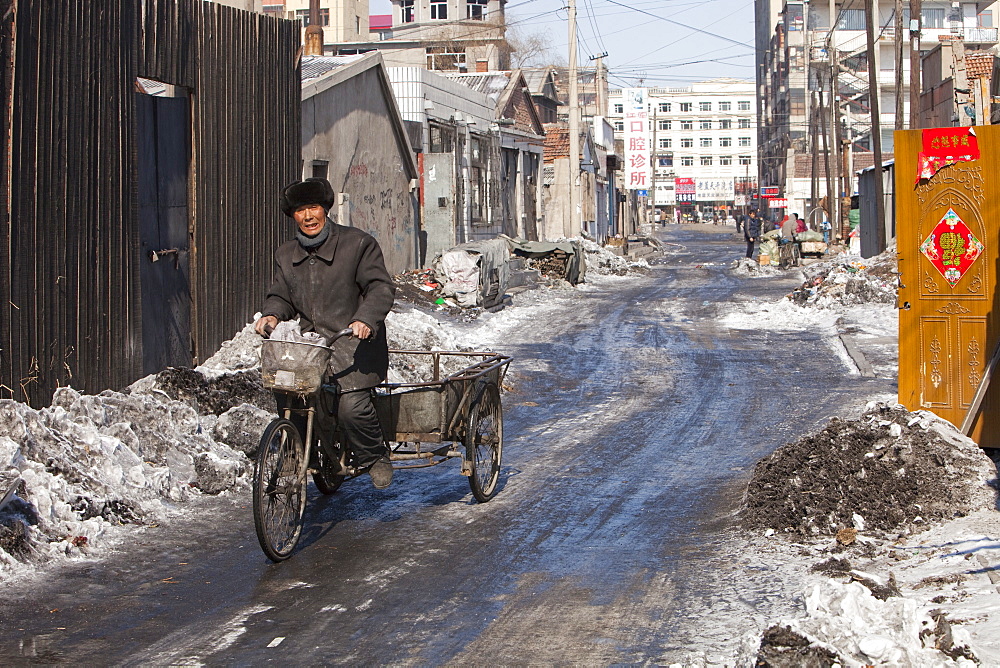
[(684, 25)]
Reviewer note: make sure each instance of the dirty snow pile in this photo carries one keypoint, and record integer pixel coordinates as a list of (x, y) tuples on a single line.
[(887, 472), (893, 504), (849, 280), (602, 261), (89, 464), (750, 268)]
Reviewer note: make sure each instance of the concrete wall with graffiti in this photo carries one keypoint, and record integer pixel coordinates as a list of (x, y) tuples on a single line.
[(353, 135)]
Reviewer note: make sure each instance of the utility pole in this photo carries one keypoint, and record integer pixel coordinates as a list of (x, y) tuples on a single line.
[(574, 128), (873, 102), (898, 46), (314, 32), (601, 79), (656, 160), (915, 10)]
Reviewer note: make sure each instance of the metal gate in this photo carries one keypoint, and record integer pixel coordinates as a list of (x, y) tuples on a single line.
[(164, 154), (947, 243)]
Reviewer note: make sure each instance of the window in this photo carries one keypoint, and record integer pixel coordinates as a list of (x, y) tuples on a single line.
[(725, 106), (687, 161), (442, 139), (930, 18), (985, 19), (725, 124), (666, 143), (620, 126), (666, 161), (744, 141), (744, 123), (476, 187), (663, 125), (442, 59), (303, 15), (704, 106), (664, 107), (320, 168), (725, 160), (477, 9), (686, 106), (407, 10), (439, 9), (706, 161), (706, 142), (726, 141), (277, 11), (854, 19), (687, 142), (744, 105), (744, 159), (705, 124), (687, 125), (619, 109)]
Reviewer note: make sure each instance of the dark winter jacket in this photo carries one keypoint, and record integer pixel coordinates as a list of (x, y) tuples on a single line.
[(751, 228), (343, 280)]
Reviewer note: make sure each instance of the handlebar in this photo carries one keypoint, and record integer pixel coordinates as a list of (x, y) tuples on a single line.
[(339, 335)]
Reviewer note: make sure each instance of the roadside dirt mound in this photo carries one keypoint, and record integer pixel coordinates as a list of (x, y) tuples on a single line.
[(887, 471), (215, 396), (849, 280)]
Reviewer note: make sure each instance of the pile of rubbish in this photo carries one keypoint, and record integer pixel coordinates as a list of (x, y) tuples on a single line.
[(603, 261), (888, 472), (849, 280), (750, 268)]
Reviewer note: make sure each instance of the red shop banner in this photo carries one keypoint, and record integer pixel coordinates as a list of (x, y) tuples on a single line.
[(946, 146)]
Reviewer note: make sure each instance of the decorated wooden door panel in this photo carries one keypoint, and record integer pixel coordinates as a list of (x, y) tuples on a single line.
[(947, 183)]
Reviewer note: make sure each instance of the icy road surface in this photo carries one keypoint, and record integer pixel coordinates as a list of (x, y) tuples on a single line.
[(641, 405)]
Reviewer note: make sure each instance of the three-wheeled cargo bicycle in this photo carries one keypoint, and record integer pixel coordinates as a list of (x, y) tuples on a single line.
[(456, 404)]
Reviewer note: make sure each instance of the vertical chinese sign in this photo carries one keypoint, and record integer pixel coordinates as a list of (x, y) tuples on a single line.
[(637, 169)]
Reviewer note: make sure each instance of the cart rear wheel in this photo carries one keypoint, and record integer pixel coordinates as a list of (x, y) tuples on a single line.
[(326, 478), (484, 444), (279, 489)]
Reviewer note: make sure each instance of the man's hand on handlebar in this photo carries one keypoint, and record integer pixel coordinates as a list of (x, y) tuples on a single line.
[(361, 330), (265, 325)]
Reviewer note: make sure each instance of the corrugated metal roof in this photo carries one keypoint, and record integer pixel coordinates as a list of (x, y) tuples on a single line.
[(490, 83), (314, 67), (536, 78), (150, 87)]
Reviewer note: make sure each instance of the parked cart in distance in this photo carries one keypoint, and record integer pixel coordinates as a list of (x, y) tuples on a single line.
[(431, 421)]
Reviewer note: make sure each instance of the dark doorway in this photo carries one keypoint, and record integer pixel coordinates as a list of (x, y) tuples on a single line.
[(164, 150)]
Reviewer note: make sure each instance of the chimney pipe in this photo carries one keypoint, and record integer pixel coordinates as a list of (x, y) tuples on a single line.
[(314, 31)]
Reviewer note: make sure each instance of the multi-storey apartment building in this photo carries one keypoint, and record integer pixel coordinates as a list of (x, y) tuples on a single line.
[(342, 20), (800, 50), (703, 143), (444, 35)]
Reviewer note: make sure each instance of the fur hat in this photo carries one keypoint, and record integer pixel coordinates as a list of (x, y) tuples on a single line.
[(313, 190)]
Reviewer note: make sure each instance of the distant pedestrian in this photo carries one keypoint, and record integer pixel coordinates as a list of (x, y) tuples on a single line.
[(751, 232), (800, 224), (740, 217)]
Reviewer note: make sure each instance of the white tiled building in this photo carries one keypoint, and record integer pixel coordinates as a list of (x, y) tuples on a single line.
[(706, 132)]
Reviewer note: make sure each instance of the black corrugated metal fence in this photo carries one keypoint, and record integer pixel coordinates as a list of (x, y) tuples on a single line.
[(70, 289)]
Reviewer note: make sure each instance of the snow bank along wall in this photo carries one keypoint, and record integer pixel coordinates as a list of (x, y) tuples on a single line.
[(100, 176)]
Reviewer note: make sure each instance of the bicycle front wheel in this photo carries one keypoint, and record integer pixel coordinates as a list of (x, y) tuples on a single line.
[(279, 489)]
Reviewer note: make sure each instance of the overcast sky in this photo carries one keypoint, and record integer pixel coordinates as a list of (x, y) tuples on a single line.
[(643, 38)]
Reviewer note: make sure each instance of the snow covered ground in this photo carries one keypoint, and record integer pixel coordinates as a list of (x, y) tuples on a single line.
[(94, 467), (86, 469)]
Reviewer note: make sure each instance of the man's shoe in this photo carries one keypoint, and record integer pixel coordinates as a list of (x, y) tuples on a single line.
[(381, 473)]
